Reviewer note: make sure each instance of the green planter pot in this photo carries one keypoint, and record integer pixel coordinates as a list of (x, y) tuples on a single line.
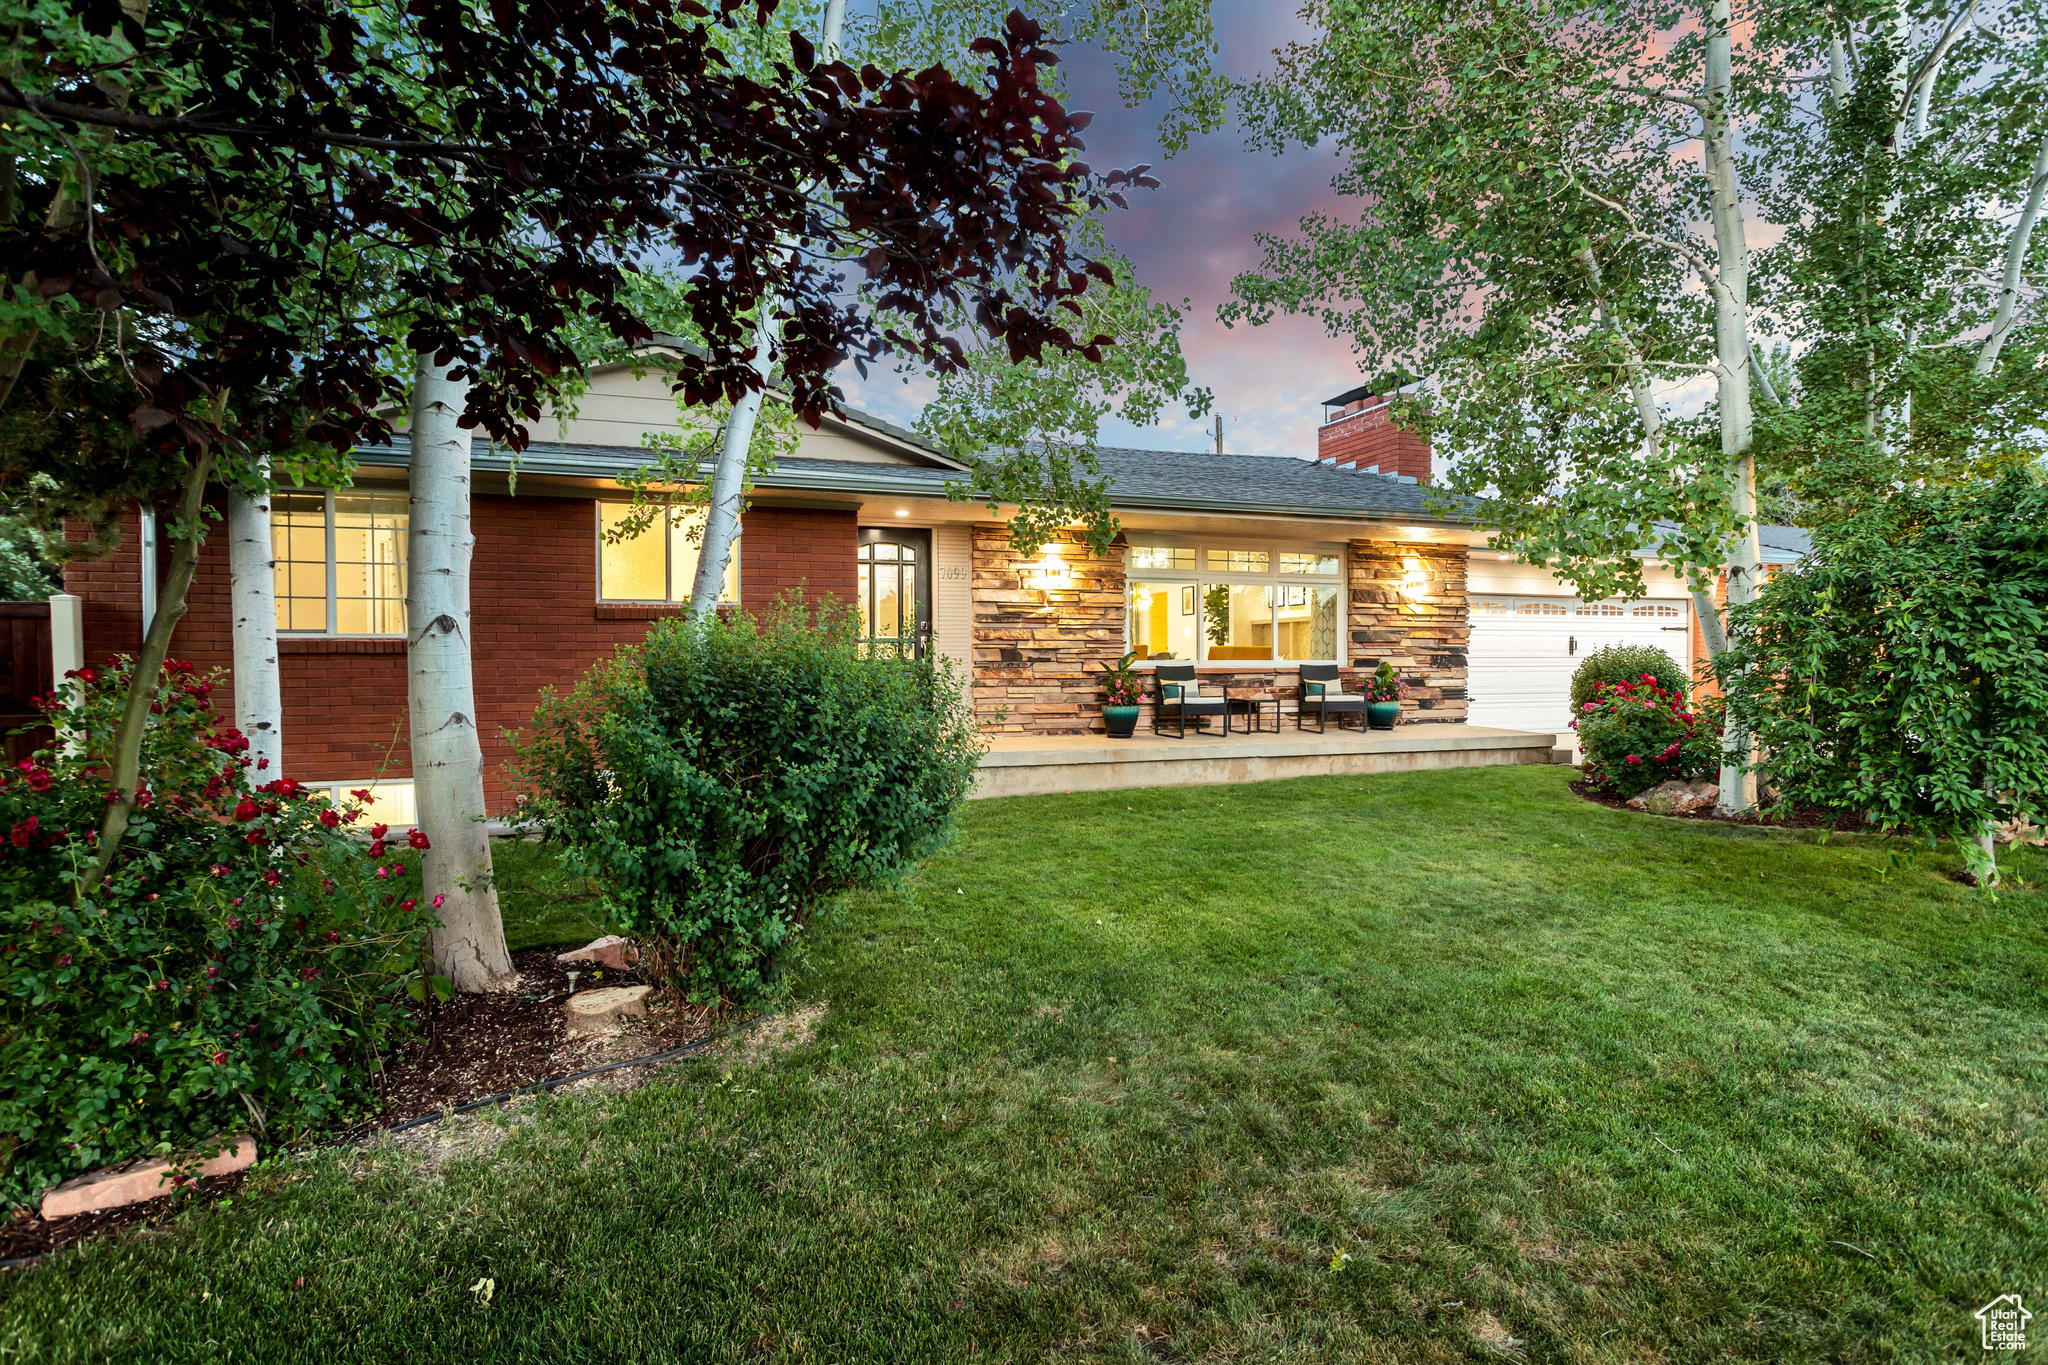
[(1381, 715), (1123, 721)]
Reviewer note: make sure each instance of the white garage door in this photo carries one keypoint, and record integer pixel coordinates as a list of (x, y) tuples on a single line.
[(1525, 649)]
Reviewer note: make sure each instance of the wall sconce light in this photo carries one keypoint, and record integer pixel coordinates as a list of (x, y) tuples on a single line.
[(1414, 581), (1051, 576)]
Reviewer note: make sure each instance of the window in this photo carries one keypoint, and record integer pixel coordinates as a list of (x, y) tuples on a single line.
[(1161, 557), (1238, 561), (660, 563), (340, 561), (1656, 609), (887, 586), (1539, 609), (1243, 606), (1599, 609), (1490, 608), (390, 803)]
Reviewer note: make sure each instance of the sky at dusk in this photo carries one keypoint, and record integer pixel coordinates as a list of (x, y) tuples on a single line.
[(1187, 240)]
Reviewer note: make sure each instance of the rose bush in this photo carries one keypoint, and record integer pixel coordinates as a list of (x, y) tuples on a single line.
[(241, 967), (1637, 734)]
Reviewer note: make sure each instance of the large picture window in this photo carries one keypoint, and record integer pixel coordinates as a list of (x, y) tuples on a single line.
[(660, 563), (1231, 605), (340, 561)]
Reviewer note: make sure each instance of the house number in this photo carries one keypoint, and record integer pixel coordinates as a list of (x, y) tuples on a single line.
[(953, 573)]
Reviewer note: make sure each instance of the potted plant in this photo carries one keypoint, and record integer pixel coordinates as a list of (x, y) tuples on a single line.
[(1383, 693), (1121, 693)]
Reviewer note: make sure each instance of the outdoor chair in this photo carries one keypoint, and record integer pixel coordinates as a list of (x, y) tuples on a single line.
[(1180, 696), (1322, 691)]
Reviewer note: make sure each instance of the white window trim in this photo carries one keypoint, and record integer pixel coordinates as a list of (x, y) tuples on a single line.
[(1202, 577), (739, 572), (331, 570)]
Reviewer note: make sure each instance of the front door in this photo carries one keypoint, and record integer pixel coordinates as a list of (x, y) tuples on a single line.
[(895, 589)]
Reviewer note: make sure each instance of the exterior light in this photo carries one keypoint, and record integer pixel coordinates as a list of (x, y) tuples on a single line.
[(1414, 584), (903, 511)]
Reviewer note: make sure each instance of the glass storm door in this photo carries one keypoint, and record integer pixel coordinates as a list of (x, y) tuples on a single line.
[(895, 578)]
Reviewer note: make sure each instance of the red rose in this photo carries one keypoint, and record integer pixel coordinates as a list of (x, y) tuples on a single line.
[(379, 831), (330, 817), (24, 830), (418, 839), (246, 810), (220, 1059)]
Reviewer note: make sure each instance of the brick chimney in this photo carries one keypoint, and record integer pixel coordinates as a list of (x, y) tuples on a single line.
[(1358, 433)]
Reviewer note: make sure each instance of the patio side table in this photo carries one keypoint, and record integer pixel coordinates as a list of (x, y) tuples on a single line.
[(1254, 709)]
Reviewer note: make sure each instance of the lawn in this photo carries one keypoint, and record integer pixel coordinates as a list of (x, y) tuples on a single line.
[(1438, 1066)]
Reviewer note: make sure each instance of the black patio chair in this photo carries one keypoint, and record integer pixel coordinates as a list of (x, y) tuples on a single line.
[(1178, 696), (1322, 691)]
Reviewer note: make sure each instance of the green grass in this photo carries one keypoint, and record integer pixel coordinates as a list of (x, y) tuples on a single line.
[(1129, 1070), (542, 905)]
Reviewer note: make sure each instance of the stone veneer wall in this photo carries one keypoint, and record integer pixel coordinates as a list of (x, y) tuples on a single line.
[(1422, 625), (1039, 657)]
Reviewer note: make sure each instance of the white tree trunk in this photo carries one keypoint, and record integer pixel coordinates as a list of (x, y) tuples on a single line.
[(729, 469), (2015, 261), (252, 569), (1732, 364), (447, 756), (729, 486)]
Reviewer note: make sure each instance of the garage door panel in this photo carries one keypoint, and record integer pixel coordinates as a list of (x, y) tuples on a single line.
[(1524, 651)]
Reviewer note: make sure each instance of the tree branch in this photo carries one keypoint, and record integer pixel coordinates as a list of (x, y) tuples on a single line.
[(1635, 230), (1923, 80), (2015, 258)]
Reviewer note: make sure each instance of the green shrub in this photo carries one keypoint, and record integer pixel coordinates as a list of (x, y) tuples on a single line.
[(725, 780), (1902, 669), (1626, 664), (242, 964), (1636, 733)]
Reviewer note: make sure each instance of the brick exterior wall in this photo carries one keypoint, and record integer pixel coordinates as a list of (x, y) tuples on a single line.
[(1369, 439), (534, 613), (1039, 657)]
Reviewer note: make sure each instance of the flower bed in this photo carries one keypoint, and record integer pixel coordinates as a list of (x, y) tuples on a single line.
[(1637, 734), (240, 966)]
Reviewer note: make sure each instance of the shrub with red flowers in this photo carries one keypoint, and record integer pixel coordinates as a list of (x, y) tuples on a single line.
[(241, 966), (1637, 734)]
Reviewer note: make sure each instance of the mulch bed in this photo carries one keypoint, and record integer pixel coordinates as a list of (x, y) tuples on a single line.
[(467, 1048), (478, 1045), (1809, 817), (26, 1237)]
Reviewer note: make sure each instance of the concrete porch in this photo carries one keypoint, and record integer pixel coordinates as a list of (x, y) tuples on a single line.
[(1035, 765)]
